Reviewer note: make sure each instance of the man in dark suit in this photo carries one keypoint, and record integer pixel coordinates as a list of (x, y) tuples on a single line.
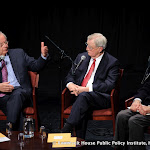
[(92, 81), (131, 123), (15, 86)]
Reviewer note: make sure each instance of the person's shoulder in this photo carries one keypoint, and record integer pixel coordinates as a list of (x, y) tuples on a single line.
[(15, 50), (83, 54), (111, 57)]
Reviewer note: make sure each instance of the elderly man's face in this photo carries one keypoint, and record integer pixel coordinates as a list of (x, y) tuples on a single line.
[(92, 50), (3, 45)]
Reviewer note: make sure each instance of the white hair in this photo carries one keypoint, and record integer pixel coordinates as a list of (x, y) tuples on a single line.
[(99, 39), (1, 33)]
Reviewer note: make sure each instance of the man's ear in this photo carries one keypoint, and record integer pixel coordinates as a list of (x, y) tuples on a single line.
[(101, 49)]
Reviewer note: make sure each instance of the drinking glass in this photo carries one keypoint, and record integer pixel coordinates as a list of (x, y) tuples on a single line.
[(42, 133), (21, 140), (28, 127)]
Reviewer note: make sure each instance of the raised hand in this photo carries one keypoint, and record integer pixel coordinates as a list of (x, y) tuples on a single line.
[(44, 49)]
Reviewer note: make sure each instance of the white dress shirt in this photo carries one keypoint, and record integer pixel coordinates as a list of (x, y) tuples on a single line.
[(11, 75), (97, 62)]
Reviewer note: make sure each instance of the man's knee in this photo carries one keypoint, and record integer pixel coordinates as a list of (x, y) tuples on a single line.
[(18, 92), (122, 116), (81, 101), (83, 97), (134, 122), (83, 94), (17, 98)]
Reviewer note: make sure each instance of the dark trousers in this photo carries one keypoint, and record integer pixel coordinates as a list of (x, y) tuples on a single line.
[(83, 103), (12, 105), (130, 126)]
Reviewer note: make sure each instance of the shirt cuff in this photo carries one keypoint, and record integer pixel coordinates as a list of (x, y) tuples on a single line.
[(45, 58), (137, 99), (91, 88), (68, 84)]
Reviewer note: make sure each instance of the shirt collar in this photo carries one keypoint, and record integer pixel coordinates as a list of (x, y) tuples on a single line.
[(98, 58)]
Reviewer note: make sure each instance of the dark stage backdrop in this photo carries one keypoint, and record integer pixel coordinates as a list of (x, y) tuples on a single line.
[(127, 31)]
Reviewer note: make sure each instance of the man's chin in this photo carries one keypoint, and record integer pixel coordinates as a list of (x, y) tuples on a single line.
[(5, 52)]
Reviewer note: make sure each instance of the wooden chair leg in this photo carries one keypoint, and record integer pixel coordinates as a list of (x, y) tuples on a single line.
[(113, 127), (74, 132), (62, 122), (36, 124)]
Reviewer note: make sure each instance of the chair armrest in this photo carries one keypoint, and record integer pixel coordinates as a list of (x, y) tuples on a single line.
[(128, 102), (66, 98)]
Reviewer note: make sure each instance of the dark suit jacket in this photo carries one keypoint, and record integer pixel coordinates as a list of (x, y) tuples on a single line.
[(105, 76), (144, 93), (21, 64)]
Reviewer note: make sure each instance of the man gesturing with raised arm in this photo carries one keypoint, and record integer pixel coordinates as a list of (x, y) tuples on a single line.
[(15, 86)]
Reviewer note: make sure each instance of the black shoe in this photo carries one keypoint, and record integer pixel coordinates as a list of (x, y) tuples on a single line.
[(67, 128)]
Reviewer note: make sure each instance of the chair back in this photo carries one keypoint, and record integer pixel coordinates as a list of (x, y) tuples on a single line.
[(115, 94), (34, 77)]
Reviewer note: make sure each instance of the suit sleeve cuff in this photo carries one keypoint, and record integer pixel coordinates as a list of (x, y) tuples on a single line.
[(45, 58)]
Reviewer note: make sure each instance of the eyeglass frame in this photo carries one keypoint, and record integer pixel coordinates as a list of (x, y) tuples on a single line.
[(91, 47), (2, 44)]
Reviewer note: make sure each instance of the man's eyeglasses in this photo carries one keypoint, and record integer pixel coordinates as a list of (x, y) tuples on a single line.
[(2, 44), (91, 48), (88, 46)]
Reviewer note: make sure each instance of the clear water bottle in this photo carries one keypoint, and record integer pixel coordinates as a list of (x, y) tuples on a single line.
[(28, 127)]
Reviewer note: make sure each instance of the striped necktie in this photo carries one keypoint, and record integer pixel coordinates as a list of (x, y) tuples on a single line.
[(4, 75)]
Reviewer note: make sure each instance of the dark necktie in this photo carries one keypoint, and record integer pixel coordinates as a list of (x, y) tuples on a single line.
[(87, 77), (4, 75)]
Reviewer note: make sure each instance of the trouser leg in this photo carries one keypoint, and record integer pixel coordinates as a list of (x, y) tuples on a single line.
[(130, 127), (3, 104), (82, 104), (137, 124), (81, 128), (15, 106), (80, 110), (122, 128)]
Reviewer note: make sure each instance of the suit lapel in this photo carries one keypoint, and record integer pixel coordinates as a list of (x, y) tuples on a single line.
[(101, 66), (14, 64)]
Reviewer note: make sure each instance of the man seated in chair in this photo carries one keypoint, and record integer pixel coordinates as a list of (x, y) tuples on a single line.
[(92, 81), (131, 123), (15, 85)]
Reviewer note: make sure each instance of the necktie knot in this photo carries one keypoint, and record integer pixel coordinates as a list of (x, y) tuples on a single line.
[(3, 63), (94, 60)]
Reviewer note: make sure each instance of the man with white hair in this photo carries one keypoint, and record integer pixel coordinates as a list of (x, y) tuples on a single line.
[(93, 80), (15, 85)]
